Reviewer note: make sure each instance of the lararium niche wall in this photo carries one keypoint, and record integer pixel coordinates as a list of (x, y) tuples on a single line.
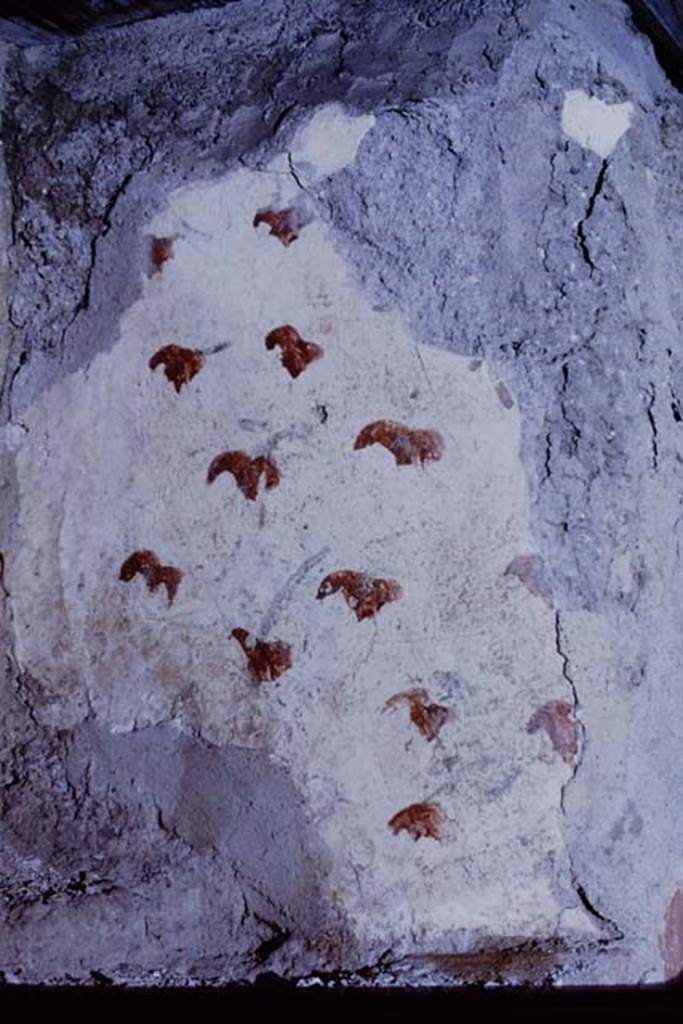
[(341, 498)]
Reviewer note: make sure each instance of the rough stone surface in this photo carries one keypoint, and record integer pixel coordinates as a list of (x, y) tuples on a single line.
[(475, 212), (33, 22)]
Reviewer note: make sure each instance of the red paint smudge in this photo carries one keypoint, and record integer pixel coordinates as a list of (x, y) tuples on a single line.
[(526, 962), (246, 471), (180, 364), (531, 570), (405, 444), (161, 252), (296, 353), (420, 821), (266, 660), (557, 718), (284, 224), (364, 595), (671, 942), (429, 718), (148, 565)]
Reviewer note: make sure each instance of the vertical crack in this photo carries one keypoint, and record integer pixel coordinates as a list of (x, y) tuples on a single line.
[(294, 174), (548, 455), (84, 302), (541, 242), (281, 118), (590, 206), (565, 660), (566, 675), (575, 429), (614, 930), (652, 397), (343, 43)]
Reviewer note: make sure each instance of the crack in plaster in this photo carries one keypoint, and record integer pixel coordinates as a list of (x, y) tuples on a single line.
[(83, 303), (651, 393), (617, 933), (590, 207)]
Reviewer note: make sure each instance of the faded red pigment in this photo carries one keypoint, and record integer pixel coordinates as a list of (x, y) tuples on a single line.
[(557, 718), (161, 253), (530, 569), (428, 718), (671, 943)]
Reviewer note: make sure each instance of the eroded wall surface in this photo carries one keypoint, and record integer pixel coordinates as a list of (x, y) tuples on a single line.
[(340, 553)]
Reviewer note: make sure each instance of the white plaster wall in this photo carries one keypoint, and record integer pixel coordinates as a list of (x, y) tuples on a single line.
[(114, 460)]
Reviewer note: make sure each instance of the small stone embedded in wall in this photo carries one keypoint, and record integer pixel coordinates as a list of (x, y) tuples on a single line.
[(504, 395)]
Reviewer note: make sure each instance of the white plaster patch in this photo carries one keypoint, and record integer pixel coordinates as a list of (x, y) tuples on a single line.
[(594, 124), (116, 461), (326, 143)]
